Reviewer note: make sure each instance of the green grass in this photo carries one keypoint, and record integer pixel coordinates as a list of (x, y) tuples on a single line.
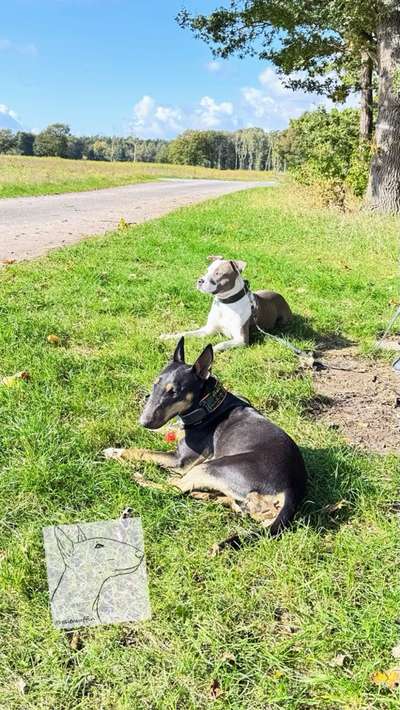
[(335, 577), (22, 176)]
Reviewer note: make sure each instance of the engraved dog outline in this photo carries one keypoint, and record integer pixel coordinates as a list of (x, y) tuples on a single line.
[(93, 571)]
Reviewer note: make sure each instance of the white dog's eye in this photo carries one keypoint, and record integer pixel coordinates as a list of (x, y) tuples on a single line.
[(97, 545)]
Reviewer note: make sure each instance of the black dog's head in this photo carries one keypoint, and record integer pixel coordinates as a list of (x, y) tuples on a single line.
[(178, 387)]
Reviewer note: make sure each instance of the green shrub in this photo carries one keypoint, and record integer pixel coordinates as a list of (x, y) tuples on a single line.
[(322, 149), (357, 176)]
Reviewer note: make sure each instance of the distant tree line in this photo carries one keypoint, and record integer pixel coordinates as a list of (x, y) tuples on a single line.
[(319, 145), (246, 149), (56, 140)]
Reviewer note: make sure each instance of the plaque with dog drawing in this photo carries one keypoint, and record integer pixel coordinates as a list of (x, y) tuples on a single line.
[(96, 573)]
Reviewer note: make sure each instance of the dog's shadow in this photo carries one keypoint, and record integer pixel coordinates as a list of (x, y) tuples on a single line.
[(335, 484), (300, 328)]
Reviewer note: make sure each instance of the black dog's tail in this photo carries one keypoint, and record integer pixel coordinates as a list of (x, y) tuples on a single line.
[(284, 518), (281, 522)]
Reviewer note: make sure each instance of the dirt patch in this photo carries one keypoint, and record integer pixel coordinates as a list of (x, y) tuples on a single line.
[(362, 401)]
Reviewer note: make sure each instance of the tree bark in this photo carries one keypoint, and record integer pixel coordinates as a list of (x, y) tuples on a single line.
[(366, 115), (383, 191)]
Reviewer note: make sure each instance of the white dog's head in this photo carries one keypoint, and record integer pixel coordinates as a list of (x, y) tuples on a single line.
[(221, 276)]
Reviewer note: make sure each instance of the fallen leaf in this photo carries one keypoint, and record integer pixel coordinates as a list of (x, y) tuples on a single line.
[(123, 224), (390, 678), (12, 380), (7, 261), (54, 339), (214, 550), (333, 507), (76, 641), (228, 657), (231, 541), (284, 619), (396, 651), (20, 684), (339, 660), (215, 690)]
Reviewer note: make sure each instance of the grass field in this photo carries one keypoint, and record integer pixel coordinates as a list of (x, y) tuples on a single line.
[(268, 622), (21, 176)]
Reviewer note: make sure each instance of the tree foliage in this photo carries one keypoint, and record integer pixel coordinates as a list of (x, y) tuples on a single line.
[(8, 141), (323, 140), (53, 140), (245, 149), (326, 46), (315, 45)]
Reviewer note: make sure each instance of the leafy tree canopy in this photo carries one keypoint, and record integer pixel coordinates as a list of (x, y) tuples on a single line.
[(316, 45)]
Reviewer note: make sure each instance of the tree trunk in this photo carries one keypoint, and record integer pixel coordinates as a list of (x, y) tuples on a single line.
[(366, 116), (383, 191)]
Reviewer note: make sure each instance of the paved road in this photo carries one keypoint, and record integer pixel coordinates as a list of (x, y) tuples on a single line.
[(30, 226)]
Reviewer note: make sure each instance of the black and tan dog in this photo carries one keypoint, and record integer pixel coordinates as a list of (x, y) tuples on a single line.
[(228, 447)]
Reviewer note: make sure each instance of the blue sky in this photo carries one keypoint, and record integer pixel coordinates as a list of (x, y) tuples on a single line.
[(124, 66)]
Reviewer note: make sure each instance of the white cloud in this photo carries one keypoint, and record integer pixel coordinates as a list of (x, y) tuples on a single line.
[(9, 118), (273, 105), (152, 120), (269, 105), (273, 83), (214, 66), (212, 114), (6, 45), (8, 111)]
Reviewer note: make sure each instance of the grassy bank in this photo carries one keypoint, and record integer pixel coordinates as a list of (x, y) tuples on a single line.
[(21, 176), (265, 624)]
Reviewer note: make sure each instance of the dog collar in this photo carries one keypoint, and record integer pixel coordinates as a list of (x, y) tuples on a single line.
[(217, 403), (237, 296), (208, 405)]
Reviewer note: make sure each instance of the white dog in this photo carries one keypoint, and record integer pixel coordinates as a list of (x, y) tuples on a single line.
[(235, 309)]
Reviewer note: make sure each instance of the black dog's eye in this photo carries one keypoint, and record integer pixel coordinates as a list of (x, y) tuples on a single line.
[(97, 545)]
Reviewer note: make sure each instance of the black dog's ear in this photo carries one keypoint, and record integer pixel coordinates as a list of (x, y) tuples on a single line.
[(179, 354), (203, 363)]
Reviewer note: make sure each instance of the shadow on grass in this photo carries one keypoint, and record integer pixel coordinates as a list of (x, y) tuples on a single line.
[(336, 480), (300, 328)]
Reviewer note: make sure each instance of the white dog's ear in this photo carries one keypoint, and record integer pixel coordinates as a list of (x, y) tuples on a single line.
[(212, 257), (238, 265)]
